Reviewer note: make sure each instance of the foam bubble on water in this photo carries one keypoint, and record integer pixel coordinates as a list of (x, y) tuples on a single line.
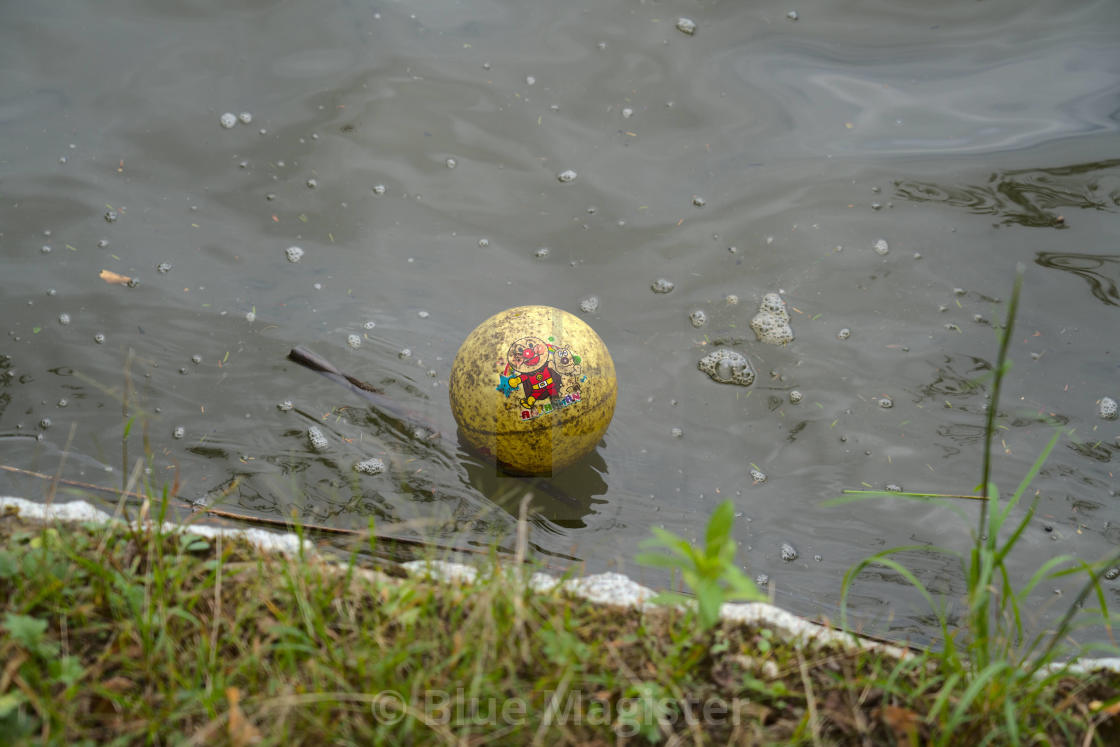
[(318, 440), (245, 117), (370, 324), (371, 466), (285, 406), (451, 163), (795, 397), (178, 432), (789, 552), (771, 323), (228, 120), (589, 304), (111, 216), (566, 176), (378, 189), (662, 285), (1107, 408), (250, 316), (793, 15), (163, 268), (312, 183), (698, 201), (727, 367), (886, 403), (484, 243), (844, 334), (772, 303), (196, 359), (294, 253), (698, 317), (542, 252), (64, 318), (99, 338), (45, 423), (757, 476), (880, 246), (423, 314), (676, 432), (686, 26), (404, 353), (354, 341)]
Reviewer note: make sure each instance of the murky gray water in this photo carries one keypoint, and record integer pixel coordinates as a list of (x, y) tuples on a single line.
[(412, 151)]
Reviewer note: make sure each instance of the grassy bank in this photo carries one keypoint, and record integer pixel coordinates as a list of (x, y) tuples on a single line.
[(116, 636)]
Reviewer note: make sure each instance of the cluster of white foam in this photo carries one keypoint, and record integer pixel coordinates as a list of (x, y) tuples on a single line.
[(771, 323), (727, 367)]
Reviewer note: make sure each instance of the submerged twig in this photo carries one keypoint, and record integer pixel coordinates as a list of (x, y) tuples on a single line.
[(379, 399), (908, 494), (263, 520)]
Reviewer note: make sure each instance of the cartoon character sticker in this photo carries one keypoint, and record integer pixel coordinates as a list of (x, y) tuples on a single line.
[(548, 376), (567, 364)]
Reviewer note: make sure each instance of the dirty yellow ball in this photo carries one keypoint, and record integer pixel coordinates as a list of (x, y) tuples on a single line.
[(533, 388)]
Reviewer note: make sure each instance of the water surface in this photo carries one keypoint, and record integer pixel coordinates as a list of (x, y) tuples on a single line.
[(411, 149)]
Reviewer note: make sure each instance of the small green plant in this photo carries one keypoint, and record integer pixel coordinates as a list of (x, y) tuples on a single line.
[(989, 664), (709, 571)]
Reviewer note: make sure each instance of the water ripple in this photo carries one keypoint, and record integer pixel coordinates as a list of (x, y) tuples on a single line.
[(1029, 197)]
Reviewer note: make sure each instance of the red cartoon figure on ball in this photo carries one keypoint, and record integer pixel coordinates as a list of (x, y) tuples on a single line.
[(529, 359)]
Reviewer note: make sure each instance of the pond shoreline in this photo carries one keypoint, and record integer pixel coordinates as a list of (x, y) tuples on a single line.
[(217, 609)]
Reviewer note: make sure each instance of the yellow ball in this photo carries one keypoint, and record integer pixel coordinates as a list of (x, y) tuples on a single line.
[(533, 388)]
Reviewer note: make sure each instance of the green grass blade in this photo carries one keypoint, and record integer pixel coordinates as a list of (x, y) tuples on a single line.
[(941, 702), (1011, 718), (997, 385), (719, 526), (979, 682), (1032, 473), (1043, 574), (882, 559)]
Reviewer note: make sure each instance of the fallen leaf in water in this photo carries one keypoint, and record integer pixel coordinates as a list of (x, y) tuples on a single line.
[(111, 277)]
